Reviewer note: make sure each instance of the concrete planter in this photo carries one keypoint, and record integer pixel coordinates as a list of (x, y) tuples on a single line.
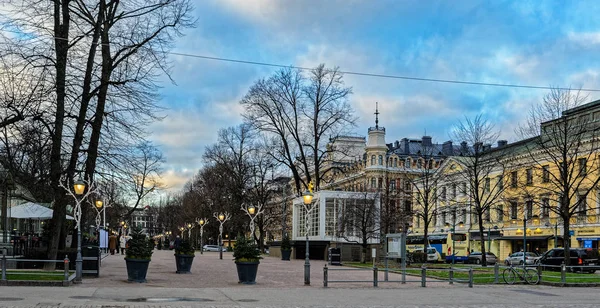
[(247, 272), (184, 263), (137, 269), (285, 254)]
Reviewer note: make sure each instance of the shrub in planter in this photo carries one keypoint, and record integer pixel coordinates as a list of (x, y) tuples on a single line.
[(286, 248), (137, 255), (246, 256), (184, 257), (419, 257)]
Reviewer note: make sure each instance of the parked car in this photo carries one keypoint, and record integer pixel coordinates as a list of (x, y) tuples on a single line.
[(432, 254), (477, 258), (517, 258), (583, 259), (213, 248)]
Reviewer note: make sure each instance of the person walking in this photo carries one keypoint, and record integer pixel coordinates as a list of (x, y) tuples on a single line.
[(123, 244), (112, 243)]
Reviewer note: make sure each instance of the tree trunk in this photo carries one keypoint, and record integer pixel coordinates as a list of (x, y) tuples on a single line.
[(567, 240), (481, 233)]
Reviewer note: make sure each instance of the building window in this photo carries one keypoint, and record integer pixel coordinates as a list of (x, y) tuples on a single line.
[(453, 191), (513, 210), (487, 185), (419, 163), (463, 189), (582, 166), (393, 184), (513, 179), (407, 207), (487, 215), (529, 206), (444, 193), (464, 215), (380, 160), (373, 184), (582, 205), (407, 163), (372, 160), (529, 174), (545, 174), (500, 183), (380, 183), (407, 186), (545, 207), (500, 213), (395, 162)]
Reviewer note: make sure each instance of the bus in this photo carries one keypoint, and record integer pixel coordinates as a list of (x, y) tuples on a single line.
[(443, 243)]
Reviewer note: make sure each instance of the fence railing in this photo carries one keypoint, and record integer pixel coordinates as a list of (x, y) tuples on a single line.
[(416, 275), (65, 273)]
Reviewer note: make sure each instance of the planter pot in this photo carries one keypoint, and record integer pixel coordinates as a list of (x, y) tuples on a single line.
[(247, 272), (184, 263), (285, 255), (137, 269)]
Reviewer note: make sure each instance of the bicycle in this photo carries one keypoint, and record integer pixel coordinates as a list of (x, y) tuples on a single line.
[(529, 275)]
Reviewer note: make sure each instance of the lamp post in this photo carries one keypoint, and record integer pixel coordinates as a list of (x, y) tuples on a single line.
[(99, 208), (202, 222), (181, 229), (453, 230), (534, 218), (79, 189), (252, 212), (548, 225), (308, 207), (189, 227), (222, 218)]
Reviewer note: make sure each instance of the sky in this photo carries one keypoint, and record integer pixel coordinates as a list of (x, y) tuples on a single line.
[(541, 43)]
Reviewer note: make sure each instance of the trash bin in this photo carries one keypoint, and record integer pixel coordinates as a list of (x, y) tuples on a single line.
[(335, 256), (91, 260)]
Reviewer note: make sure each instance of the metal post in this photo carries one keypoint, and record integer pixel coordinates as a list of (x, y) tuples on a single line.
[(423, 276), (66, 267), (403, 255), (221, 244), (525, 239), (496, 272), (325, 275), (539, 270), (555, 234), (201, 246), (453, 241), (385, 275), (79, 260), (563, 274), (375, 276), (306, 265), (4, 264), (451, 275), (489, 242), (470, 277)]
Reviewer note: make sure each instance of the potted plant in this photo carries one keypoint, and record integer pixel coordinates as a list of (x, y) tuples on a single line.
[(184, 256), (137, 255), (246, 256), (286, 248)]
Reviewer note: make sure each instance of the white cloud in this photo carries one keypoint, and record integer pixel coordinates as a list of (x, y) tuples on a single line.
[(584, 39)]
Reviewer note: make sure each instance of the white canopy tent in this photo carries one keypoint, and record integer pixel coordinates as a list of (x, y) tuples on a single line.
[(32, 210)]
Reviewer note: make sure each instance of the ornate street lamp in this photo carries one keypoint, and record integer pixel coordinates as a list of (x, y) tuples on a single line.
[(222, 218), (189, 227), (307, 199), (252, 212), (202, 222)]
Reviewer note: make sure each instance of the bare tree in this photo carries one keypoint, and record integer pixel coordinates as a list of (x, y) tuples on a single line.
[(483, 170), (144, 174), (360, 220), (564, 151)]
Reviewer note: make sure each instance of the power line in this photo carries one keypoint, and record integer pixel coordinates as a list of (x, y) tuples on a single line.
[(401, 77)]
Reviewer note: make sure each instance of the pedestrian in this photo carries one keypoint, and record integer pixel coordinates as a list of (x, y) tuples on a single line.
[(112, 243), (177, 242), (123, 244)]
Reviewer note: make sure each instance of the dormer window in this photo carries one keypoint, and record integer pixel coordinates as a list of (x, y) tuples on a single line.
[(381, 160), (407, 163)]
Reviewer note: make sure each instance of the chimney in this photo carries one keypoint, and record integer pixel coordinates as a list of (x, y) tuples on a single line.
[(478, 147), (447, 148), (487, 147), (426, 141), (406, 145), (464, 148), (502, 143), (396, 144)]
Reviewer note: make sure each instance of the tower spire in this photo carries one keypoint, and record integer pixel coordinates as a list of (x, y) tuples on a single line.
[(376, 115)]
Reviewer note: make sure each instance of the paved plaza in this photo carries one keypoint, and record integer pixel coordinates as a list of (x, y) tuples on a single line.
[(213, 283)]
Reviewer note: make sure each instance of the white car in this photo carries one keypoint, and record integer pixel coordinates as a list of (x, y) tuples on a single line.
[(517, 258), (432, 254), (213, 248)]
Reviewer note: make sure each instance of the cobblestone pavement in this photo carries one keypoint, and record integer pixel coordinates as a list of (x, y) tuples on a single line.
[(213, 283)]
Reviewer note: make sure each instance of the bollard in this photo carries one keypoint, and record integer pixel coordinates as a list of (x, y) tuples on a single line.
[(451, 276), (470, 277), (385, 275), (539, 270), (496, 272), (403, 268), (563, 274), (3, 265), (423, 276), (325, 275), (375, 278), (66, 267)]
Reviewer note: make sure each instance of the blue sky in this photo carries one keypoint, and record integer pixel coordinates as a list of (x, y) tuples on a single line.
[(546, 43)]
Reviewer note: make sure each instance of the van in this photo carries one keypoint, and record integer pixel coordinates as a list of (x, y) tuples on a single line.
[(582, 259)]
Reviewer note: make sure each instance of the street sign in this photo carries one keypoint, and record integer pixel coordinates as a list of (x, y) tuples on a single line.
[(571, 232)]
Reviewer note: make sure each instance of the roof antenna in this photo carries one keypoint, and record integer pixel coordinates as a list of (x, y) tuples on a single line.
[(376, 116)]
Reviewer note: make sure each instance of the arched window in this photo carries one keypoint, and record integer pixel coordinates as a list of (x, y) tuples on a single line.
[(381, 160), (373, 184), (372, 160), (407, 163), (395, 162)]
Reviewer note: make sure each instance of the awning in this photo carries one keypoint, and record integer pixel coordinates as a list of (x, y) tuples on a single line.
[(529, 237), (32, 210)]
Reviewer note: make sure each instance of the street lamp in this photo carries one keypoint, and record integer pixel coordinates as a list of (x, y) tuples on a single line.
[(99, 207), (307, 198), (181, 229), (453, 230), (535, 220), (202, 222), (79, 189), (222, 218), (252, 212), (189, 227)]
